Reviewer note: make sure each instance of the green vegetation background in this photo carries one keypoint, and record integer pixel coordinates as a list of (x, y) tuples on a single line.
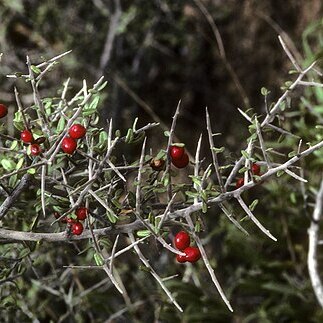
[(164, 51)]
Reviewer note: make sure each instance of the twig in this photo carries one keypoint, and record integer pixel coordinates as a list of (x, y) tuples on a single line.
[(254, 219), (207, 262), (262, 143), (214, 155), (276, 107), (313, 239), (229, 215), (154, 274), (168, 161), (10, 200), (222, 53), (138, 206), (108, 45)]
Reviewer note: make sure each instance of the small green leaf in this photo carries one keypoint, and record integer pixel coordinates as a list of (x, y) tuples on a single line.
[(98, 259), (292, 197), (14, 145), (103, 139), (166, 133), (94, 103), (31, 171), (196, 180), (13, 180), (244, 154), (197, 227), (60, 125), (88, 112), (112, 217), (218, 150), (292, 154), (192, 194), (264, 91), (116, 203), (143, 233), (129, 136), (20, 163), (35, 69), (8, 164), (204, 207), (243, 170), (161, 154), (102, 86), (166, 180), (253, 205)]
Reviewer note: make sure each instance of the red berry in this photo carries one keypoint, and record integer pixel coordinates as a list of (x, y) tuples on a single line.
[(180, 258), (77, 131), (240, 182), (3, 110), (181, 163), (35, 149), (255, 169), (81, 213), (176, 152), (77, 228), (192, 254), (182, 240), (26, 136), (68, 145), (70, 220)]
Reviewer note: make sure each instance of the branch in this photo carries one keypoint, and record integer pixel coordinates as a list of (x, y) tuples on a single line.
[(313, 239), (10, 200)]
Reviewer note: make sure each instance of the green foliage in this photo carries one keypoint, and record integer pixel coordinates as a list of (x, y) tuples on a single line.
[(266, 282)]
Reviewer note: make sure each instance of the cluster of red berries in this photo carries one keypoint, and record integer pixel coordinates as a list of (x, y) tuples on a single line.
[(75, 226), (182, 242), (255, 169), (179, 156), (69, 143), (27, 137), (3, 110)]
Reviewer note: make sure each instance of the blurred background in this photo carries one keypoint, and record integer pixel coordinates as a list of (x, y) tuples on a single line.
[(212, 53)]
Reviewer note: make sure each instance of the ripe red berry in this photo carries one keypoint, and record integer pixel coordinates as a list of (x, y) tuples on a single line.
[(3, 110), (180, 258), (68, 145), (77, 228), (181, 163), (240, 182), (176, 152), (26, 136), (77, 131), (192, 254), (255, 169), (35, 149), (182, 240), (81, 213)]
